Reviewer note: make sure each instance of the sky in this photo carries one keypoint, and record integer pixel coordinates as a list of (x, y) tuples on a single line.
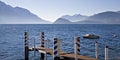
[(51, 10)]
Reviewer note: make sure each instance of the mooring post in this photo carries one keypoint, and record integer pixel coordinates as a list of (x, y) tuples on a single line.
[(96, 50), (34, 49), (46, 47), (26, 47), (42, 43), (106, 52), (59, 49), (76, 46), (56, 49)]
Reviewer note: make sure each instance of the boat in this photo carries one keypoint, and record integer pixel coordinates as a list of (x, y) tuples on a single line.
[(91, 36)]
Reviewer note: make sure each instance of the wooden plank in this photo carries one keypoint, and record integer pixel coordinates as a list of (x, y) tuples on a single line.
[(42, 51), (47, 50), (64, 54), (78, 56)]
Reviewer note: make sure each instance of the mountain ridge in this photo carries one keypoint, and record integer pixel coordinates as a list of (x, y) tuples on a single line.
[(62, 21), (75, 17), (107, 17), (18, 15)]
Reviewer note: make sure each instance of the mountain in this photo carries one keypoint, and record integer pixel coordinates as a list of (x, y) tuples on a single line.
[(118, 11), (74, 18), (108, 17), (62, 21), (18, 15)]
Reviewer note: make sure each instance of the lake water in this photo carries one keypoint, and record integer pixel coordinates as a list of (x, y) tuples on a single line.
[(12, 39)]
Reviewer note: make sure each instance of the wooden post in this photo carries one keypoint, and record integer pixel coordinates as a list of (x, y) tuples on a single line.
[(34, 50), (42, 44), (46, 46), (75, 52), (76, 46), (96, 50), (42, 39), (59, 49), (26, 47), (56, 49), (106, 52)]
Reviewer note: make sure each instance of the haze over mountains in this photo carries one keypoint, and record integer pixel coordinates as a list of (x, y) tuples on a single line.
[(74, 18), (62, 21), (108, 17), (18, 15)]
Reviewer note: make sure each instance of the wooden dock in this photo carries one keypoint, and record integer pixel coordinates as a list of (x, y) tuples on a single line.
[(56, 51), (62, 54)]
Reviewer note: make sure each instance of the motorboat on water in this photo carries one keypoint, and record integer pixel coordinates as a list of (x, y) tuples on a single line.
[(91, 36)]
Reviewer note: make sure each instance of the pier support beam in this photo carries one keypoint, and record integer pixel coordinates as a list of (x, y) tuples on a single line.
[(106, 52), (56, 49), (34, 49), (26, 47), (42, 44), (76, 46), (96, 50)]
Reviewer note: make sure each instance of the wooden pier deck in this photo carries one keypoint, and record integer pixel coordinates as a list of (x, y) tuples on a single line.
[(62, 54), (56, 53)]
